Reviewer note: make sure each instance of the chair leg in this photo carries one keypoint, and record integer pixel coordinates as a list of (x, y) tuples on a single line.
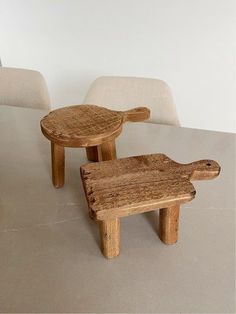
[(92, 153), (168, 224), (107, 151), (110, 237), (58, 164)]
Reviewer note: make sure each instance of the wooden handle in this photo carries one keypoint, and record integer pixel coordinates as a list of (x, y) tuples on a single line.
[(202, 169), (136, 114)]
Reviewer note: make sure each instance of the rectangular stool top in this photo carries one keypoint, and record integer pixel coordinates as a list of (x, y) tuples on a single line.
[(132, 185)]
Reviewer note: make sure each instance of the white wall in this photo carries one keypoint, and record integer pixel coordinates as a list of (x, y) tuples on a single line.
[(188, 43)]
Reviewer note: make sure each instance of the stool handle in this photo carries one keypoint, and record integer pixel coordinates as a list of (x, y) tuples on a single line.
[(202, 169), (136, 114)]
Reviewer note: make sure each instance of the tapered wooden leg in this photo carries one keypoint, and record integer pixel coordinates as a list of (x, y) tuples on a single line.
[(110, 237), (168, 224), (107, 151), (92, 153), (58, 164)]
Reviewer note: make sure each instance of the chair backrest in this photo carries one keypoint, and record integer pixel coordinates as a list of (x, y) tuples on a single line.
[(121, 93), (23, 88)]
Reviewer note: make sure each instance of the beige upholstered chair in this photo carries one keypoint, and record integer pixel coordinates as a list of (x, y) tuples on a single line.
[(121, 93), (23, 88)]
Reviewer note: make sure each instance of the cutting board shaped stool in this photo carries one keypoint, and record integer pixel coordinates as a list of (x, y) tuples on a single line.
[(134, 185), (89, 126)]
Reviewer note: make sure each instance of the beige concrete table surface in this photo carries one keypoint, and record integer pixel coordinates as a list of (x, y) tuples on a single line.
[(50, 259)]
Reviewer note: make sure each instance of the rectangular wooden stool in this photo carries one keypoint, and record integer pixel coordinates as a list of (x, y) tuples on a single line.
[(134, 185)]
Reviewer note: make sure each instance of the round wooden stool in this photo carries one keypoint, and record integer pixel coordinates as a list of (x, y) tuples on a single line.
[(89, 126)]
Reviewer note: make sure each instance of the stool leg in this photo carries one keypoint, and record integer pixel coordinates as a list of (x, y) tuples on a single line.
[(168, 224), (110, 237), (58, 164), (92, 153), (107, 151)]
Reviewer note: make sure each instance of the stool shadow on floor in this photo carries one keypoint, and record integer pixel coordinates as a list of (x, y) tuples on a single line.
[(44, 151), (76, 188), (153, 220)]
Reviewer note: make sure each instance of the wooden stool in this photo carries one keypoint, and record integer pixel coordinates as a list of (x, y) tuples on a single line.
[(135, 185), (89, 126)]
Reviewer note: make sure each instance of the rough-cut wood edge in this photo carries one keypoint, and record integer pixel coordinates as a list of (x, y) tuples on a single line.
[(58, 165), (110, 237), (169, 224)]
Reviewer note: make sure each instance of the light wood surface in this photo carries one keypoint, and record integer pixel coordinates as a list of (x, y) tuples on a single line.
[(134, 185), (130, 185), (89, 126), (110, 237), (58, 164), (105, 151), (169, 224)]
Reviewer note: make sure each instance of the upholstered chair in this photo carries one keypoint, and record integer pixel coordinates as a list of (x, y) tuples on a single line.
[(23, 88), (122, 93)]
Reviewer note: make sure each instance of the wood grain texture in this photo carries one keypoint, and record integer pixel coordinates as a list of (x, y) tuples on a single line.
[(134, 185), (138, 184), (92, 153), (169, 224), (110, 237), (87, 125), (105, 151), (58, 165)]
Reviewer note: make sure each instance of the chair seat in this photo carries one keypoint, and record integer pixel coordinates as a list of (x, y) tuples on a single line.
[(132, 185)]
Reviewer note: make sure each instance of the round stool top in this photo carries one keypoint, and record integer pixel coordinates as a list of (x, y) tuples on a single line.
[(87, 125)]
